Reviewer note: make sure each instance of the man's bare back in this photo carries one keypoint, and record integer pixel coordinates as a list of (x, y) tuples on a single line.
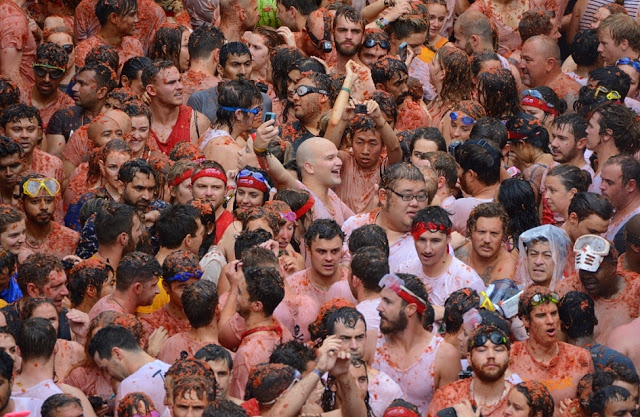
[(503, 266)]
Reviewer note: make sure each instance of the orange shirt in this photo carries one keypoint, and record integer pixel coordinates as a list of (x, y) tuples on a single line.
[(15, 33), (129, 47), (61, 102), (61, 242), (162, 317), (178, 343)]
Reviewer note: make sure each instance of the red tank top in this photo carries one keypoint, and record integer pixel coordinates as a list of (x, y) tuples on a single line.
[(181, 131), (222, 222)]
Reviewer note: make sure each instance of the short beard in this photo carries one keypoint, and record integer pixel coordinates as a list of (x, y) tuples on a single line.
[(395, 326), (351, 52), (489, 377)]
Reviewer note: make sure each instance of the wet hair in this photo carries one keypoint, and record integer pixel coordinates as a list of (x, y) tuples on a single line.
[(348, 316), (550, 96), (457, 84), (629, 167), (584, 49), (175, 224), (136, 267), (133, 66), (36, 339), (268, 381), (104, 76), (14, 113), (501, 106), (113, 219), (130, 169), (180, 261), (232, 48), (612, 78), (104, 8), (9, 92), (400, 171), (385, 68), (536, 22), (213, 353), (257, 213), (577, 314), (624, 373), (621, 27), (416, 286), (257, 256), (282, 60), (624, 126), (571, 177), (535, 134), (538, 398), (248, 239), (473, 156), (294, 354), (105, 55), (488, 210), (7, 261), (431, 134), (478, 58), (409, 24), (9, 147), (576, 123), (6, 365), (525, 304), (444, 165), (100, 155), (92, 271), (585, 204), (265, 284), (167, 43), (202, 386), (304, 7), (492, 130), (369, 235), (350, 14), (224, 408), (270, 37), (370, 264), (128, 405), (433, 214), (318, 328), (325, 229), (52, 54), (31, 304), (150, 72), (235, 93), (36, 269), (387, 103), (519, 202), (56, 401), (112, 336), (204, 40), (613, 393)]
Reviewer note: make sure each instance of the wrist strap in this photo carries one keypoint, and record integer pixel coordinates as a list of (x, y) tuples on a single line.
[(318, 372), (347, 89)]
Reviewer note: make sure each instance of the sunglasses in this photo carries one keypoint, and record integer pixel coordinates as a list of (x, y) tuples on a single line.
[(534, 94), (254, 110), (297, 376), (538, 298), (303, 90), (41, 70), (611, 95), (370, 43), (256, 175), (495, 338), (68, 48), (466, 120), (33, 186), (628, 61)]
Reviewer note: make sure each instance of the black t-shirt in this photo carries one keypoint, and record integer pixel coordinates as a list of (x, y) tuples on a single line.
[(13, 322), (66, 121)]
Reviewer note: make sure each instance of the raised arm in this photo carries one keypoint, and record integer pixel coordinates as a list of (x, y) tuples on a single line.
[(264, 135), (388, 136)]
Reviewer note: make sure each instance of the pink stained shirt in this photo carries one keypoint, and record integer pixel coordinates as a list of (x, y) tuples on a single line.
[(458, 275), (178, 343), (369, 309), (462, 208), (382, 391), (149, 378), (338, 210), (106, 303), (357, 189), (162, 317)]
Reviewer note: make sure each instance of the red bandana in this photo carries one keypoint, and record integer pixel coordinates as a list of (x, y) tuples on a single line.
[(251, 182), (180, 179), (539, 104), (210, 172), (421, 227)]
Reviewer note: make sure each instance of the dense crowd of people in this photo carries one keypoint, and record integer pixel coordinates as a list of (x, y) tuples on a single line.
[(360, 208)]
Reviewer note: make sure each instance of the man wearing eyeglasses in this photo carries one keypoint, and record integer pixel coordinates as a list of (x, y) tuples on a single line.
[(488, 354), (615, 292), (557, 365), (38, 196), (49, 69)]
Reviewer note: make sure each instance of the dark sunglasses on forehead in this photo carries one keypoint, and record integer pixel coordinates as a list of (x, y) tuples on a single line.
[(41, 70), (495, 338), (370, 43)]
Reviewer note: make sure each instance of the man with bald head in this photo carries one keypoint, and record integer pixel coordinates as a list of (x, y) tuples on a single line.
[(320, 168), (80, 144), (237, 17), (541, 63), (102, 130)]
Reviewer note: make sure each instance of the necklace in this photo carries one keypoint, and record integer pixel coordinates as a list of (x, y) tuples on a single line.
[(117, 302)]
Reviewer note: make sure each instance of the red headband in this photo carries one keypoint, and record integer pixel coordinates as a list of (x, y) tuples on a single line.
[(182, 178), (210, 172), (420, 227), (251, 182), (411, 298), (540, 104), (400, 412), (305, 208)]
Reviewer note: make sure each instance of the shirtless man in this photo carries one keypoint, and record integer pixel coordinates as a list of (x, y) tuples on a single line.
[(237, 17), (171, 121), (417, 359), (621, 186), (486, 252)]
